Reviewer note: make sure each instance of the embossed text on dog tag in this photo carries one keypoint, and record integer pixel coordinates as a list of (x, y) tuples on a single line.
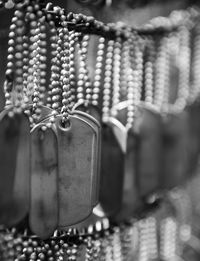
[(44, 181), (75, 160)]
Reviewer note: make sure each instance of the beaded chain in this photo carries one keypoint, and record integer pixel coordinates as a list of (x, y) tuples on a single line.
[(195, 65), (184, 71), (135, 76), (123, 69), (72, 41), (107, 91), (38, 62), (116, 75), (14, 69), (161, 79), (98, 71), (149, 71), (65, 70), (84, 84)]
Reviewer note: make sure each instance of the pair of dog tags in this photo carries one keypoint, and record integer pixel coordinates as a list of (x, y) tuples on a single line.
[(64, 166), (142, 165), (15, 151), (130, 169), (163, 148)]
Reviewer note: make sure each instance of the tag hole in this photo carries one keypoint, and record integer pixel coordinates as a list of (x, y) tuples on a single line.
[(65, 124)]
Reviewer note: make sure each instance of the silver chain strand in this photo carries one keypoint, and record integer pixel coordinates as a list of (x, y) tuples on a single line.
[(160, 74), (107, 86), (117, 248), (134, 76), (39, 58), (65, 71), (195, 88), (184, 70), (149, 71), (98, 71), (123, 70), (116, 75)]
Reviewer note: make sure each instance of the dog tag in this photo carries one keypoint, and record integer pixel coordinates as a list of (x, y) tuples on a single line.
[(148, 128), (14, 167), (194, 136), (94, 116), (44, 181), (175, 143), (112, 167), (97, 148), (76, 154), (130, 199), (20, 205)]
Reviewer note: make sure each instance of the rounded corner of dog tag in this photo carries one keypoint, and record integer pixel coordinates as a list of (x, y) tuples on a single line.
[(14, 166), (43, 215), (88, 108), (46, 112), (75, 161), (120, 132)]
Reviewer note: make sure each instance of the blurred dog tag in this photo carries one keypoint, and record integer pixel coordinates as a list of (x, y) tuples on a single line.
[(130, 201), (9, 140), (21, 189), (175, 142), (194, 136), (97, 147), (14, 167), (76, 152), (112, 167), (148, 128), (44, 181)]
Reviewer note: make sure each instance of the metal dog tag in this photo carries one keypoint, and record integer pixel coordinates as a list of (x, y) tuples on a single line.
[(175, 144), (148, 128), (97, 148), (130, 200), (76, 152), (112, 167), (14, 167), (91, 114), (44, 181), (194, 137)]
